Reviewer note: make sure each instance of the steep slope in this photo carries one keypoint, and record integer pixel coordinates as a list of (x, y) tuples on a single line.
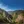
[(4, 16), (16, 13)]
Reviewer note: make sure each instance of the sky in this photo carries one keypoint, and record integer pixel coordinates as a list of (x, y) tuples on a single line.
[(11, 5)]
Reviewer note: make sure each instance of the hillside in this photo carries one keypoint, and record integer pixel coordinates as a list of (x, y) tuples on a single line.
[(16, 13), (4, 16), (11, 16)]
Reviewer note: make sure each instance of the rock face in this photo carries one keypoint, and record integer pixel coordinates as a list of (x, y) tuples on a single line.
[(4, 16), (20, 17)]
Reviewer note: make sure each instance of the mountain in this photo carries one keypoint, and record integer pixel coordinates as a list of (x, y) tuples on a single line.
[(10, 12), (16, 13), (4, 16)]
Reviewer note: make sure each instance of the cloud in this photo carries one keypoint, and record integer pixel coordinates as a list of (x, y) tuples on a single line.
[(5, 7)]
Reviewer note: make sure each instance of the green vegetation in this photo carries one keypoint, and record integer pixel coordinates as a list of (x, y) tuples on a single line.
[(4, 17), (16, 15)]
